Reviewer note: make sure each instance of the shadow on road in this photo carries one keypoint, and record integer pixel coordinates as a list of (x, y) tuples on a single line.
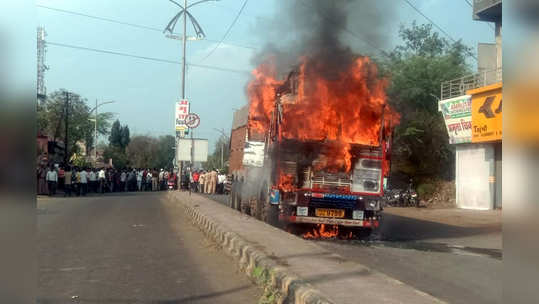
[(192, 299), (400, 228)]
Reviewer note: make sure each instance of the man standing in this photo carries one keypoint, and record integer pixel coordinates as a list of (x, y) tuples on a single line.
[(221, 178), (140, 174), (92, 178), (213, 181), (101, 178), (123, 178), (52, 179), (196, 175), (201, 180), (60, 184), (67, 181), (84, 181), (160, 179), (155, 176)]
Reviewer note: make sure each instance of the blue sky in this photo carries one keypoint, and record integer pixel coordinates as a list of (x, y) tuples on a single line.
[(145, 91)]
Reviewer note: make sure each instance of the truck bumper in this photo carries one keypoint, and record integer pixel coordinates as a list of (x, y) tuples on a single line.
[(329, 221)]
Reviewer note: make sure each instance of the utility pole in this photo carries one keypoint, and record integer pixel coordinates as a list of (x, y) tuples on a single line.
[(95, 125), (66, 140), (95, 134), (224, 137), (184, 40), (199, 35)]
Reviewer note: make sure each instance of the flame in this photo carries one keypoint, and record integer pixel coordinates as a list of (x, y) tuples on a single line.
[(339, 110), (321, 231), (286, 182)]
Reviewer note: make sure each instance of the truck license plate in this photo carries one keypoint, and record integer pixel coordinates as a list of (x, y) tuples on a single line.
[(329, 212)]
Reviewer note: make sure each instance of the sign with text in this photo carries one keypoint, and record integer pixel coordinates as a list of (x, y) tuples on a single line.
[(487, 113), (180, 116), (457, 113)]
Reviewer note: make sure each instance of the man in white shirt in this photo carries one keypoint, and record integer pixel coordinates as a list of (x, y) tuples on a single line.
[(221, 178), (139, 179), (92, 178), (84, 181), (123, 178), (52, 179), (101, 177), (160, 179)]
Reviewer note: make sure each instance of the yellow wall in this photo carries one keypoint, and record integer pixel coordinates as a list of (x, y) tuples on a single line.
[(486, 113)]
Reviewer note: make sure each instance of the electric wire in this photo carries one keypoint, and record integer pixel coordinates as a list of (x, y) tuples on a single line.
[(436, 25), (144, 27), (227, 32), (65, 45)]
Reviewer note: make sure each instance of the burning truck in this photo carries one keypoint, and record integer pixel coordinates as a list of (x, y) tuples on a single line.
[(313, 148)]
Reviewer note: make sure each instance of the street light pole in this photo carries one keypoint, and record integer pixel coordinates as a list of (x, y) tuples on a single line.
[(95, 125), (184, 40), (199, 35), (95, 133)]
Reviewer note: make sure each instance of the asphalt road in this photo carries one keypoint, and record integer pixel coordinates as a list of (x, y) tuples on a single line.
[(131, 248), (453, 263)]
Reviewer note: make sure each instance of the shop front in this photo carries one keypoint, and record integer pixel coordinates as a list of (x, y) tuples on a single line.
[(474, 126)]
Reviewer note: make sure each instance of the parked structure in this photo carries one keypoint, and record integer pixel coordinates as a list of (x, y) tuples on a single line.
[(472, 109)]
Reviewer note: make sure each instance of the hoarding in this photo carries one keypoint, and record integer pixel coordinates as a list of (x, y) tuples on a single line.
[(253, 154), (457, 113), (487, 113), (200, 152), (181, 113)]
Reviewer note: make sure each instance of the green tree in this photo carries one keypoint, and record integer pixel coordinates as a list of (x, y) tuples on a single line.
[(119, 135), (51, 119), (118, 156), (416, 69), (214, 159), (115, 138), (151, 152), (165, 153)]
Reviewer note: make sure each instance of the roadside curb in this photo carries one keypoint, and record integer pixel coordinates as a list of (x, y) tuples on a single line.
[(281, 283)]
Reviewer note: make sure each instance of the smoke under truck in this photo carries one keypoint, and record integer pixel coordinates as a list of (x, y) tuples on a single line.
[(287, 181)]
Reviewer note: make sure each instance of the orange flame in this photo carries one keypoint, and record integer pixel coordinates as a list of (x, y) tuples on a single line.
[(286, 182), (321, 231), (342, 110)]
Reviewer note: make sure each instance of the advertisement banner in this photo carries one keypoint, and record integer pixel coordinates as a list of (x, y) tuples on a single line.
[(182, 111), (253, 154), (457, 113), (196, 148), (487, 113)]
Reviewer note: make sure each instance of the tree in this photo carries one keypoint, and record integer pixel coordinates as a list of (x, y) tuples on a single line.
[(141, 151), (51, 119), (214, 160), (118, 156), (119, 135), (115, 138), (416, 70), (151, 152)]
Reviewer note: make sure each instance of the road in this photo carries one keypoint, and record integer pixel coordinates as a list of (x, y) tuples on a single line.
[(131, 248), (456, 258)]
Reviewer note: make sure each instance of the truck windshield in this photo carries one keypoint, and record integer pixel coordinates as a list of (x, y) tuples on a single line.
[(367, 175)]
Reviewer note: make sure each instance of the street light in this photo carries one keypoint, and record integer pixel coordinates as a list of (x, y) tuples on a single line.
[(222, 146), (95, 125)]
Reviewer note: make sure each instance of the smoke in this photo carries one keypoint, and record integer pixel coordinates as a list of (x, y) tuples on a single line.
[(331, 31)]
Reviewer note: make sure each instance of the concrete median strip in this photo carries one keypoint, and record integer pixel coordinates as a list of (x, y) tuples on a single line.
[(290, 269)]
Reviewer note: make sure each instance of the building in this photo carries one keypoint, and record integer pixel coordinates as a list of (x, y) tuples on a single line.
[(472, 109)]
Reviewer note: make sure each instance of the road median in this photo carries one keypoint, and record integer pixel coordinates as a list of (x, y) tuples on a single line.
[(293, 270)]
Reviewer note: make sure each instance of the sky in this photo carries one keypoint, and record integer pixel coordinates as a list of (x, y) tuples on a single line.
[(145, 91)]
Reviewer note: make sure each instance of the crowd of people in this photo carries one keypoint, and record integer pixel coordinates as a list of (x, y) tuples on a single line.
[(80, 181), (209, 182)]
